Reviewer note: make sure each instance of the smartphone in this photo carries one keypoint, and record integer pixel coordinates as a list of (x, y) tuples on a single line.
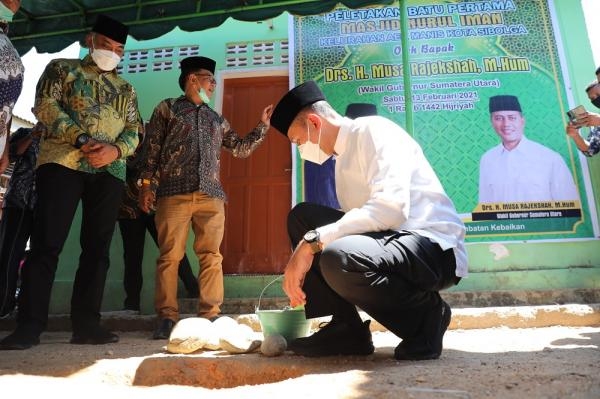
[(576, 113)]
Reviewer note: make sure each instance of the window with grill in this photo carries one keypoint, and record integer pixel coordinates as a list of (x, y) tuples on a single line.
[(265, 46), (248, 54), (162, 66), (163, 52), (137, 68), (189, 51), (237, 48), (137, 55)]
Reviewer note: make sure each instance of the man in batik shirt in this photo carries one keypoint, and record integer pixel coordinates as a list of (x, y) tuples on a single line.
[(134, 224), (92, 118), (185, 141)]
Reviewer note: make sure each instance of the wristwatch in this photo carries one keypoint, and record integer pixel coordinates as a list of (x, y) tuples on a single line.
[(312, 237), (82, 140), (143, 182)]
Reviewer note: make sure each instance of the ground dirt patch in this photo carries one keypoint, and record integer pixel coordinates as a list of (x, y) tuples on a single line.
[(552, 362)]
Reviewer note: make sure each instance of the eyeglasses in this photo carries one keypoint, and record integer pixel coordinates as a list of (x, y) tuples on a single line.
[(210, 78)]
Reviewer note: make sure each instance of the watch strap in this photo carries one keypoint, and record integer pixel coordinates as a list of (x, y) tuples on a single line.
[(315, 246)]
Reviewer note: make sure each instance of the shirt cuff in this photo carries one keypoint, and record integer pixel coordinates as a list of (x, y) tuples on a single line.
[(328, 233), (121, 148)]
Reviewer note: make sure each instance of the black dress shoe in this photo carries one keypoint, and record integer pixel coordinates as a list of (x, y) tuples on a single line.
[(336, 338), (19, 340), (94, 336), (163, 331), (428, 345)]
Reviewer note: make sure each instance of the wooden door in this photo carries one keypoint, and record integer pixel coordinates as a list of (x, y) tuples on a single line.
[(258, 188)]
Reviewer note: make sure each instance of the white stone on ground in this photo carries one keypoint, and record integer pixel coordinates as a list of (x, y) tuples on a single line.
[(273, 345)]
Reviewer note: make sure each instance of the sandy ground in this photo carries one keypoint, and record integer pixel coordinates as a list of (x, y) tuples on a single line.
[(552, 362)]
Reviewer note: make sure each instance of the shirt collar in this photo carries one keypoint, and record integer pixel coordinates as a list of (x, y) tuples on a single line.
[(88, 61), (342, 137), (522, 146), (183, 99)]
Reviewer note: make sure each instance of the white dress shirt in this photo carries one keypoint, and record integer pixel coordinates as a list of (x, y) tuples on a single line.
[(528, 173), (384, 182)]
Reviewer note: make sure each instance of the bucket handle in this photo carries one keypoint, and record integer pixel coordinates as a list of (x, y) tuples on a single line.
[(264, 289)]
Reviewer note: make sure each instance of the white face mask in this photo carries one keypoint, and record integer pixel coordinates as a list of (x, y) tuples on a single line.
[(312, 152), (105, 59)]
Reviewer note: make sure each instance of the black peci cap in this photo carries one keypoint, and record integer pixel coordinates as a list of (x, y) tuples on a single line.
[(504, 103), (191, 64), (111, 28), (293, 102), (356, 110)]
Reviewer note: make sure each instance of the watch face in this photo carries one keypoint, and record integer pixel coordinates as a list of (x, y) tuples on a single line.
[(311, 236), (82, 139)]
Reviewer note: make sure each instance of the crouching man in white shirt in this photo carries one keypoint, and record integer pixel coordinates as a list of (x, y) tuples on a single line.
[(396, 242)]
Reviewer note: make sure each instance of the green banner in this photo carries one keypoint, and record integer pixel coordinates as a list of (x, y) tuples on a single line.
[(461, 54)]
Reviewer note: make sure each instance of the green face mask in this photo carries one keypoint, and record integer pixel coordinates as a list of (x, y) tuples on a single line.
[(203, 96), (6, 13)]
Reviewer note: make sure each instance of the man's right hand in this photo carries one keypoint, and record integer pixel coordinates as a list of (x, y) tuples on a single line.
[(146, 199), (295, 272)]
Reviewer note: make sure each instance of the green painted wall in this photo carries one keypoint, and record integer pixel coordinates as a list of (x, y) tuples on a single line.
[(535, 265), (153, 87)]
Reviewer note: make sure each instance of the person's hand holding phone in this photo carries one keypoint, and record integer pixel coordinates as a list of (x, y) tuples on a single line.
[(588, 119), (572, 130), (576, 114)]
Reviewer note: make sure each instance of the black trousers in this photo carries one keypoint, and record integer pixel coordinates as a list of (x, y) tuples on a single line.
[(393, 276), (59, 191), (15, 228), (133, 232)]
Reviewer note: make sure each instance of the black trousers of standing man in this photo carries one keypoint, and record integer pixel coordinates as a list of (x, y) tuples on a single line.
[(15, 228), (59, 191), (394, 276)]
